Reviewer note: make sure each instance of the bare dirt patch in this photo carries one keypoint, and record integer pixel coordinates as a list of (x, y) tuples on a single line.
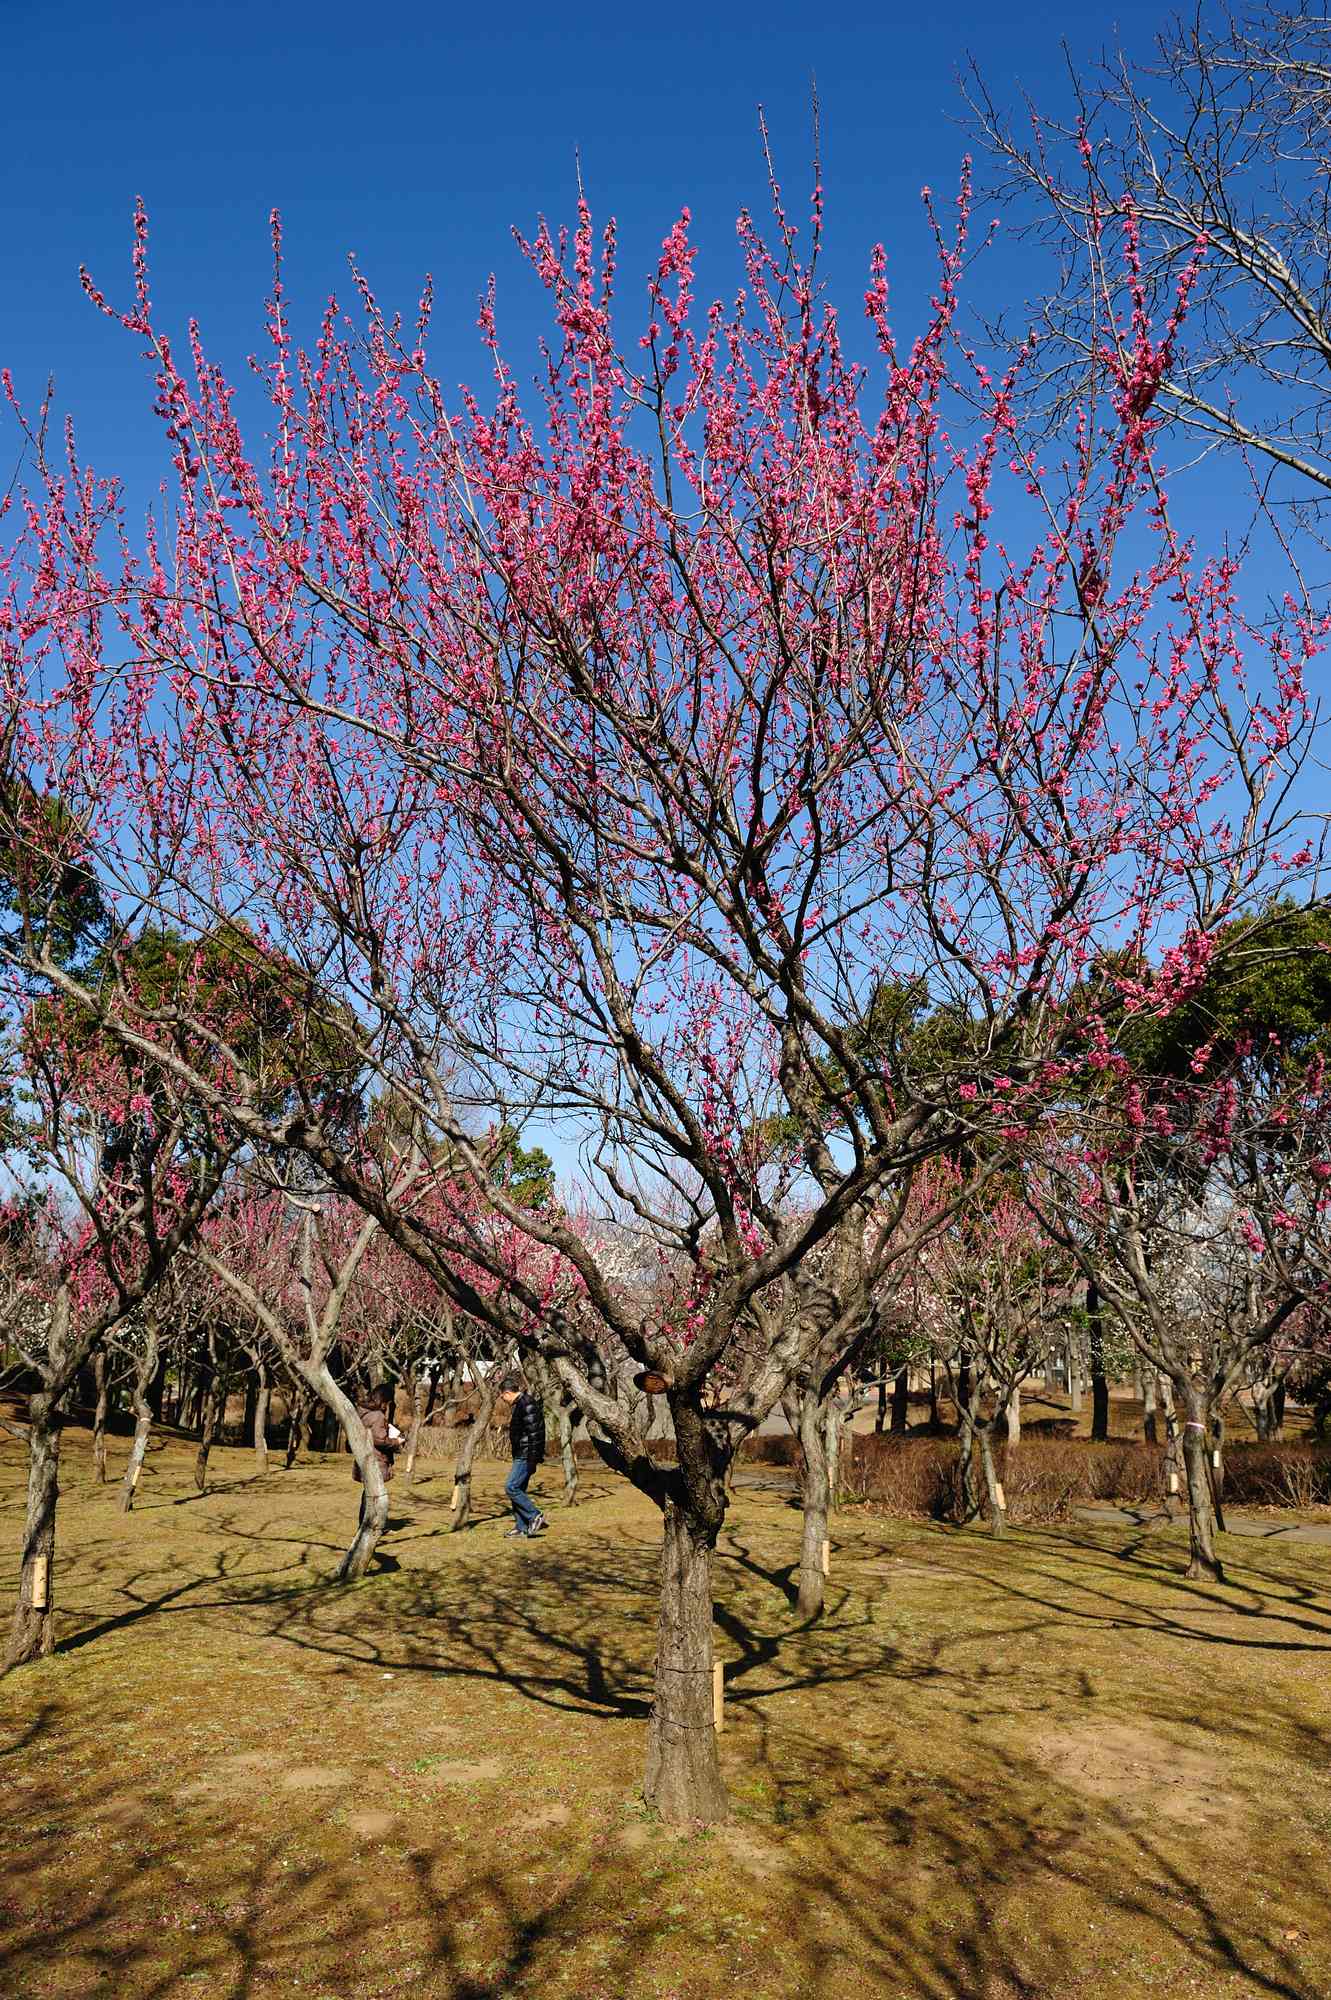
[(1142, 1771), (371, 1824), (314, 1777)]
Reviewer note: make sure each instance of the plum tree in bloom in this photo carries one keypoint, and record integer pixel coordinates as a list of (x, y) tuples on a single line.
[(604, 755)]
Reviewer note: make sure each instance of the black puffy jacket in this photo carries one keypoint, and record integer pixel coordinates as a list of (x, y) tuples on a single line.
[(526, 1428)]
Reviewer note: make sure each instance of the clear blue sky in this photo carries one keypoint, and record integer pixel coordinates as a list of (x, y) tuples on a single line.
[(417, 137)]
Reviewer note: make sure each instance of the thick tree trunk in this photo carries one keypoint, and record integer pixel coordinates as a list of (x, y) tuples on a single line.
[(466, 1458), (1173, 1461), (819, 1429), (298, 1419), (1013, 1414), (211, 1431), (1203, 1561), (373, 1519), (144, 1374), (1099, 1380), (969, 1505), (32, 1633), (566, 1418), (99, 1417), (901, 1400), (262, 1397), (419, 1391), (683, 1778), (992, 1485)]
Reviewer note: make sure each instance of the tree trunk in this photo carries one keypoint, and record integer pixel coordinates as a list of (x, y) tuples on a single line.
[(933, 1397), (1014, 1414), (1278, 1411), (262, 1398), (819, 1429), (1173, 1460), (992, 1486), (144, 1373), (419, 1390), (683, 1777), (1203, 1562), (1099, 1380), (32, 1633), (212, 1426), (901, 1401), (1074, 1377), (157, 1391), (298, 1418), (968, 1503), (1149, 1429), (99, 1417), (880, 1415), (567, 1417)]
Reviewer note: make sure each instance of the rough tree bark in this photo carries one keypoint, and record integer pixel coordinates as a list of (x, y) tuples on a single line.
[(984, 1434), (566, 1417), (816, 1421), (683, 1779), (32, 1633), (144, 1372), (297, 1422), (1149, 1427), (262, 1398), (1099, 1380), (419, 1391), (210, 1428), (99, 1417), (467, 1450), (1013, 1411), (1203, 1561)]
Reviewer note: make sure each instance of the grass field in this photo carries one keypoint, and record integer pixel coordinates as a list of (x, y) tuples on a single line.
[(1049, 1767)]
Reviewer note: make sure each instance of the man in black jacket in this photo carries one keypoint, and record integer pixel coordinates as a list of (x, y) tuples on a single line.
[(526, 1435)]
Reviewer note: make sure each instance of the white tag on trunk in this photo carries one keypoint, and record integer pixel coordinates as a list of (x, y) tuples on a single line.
[(39, 1573), (457, 1495), (827, 1558), (134, 1477), (998, 1495), (1215, 1460), (1173, 1482), (718, 1696)]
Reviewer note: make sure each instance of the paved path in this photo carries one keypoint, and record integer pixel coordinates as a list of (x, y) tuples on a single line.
[(1261, 1527)]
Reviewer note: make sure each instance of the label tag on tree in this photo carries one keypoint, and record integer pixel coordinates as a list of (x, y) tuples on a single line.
[(457, 1495), (1173, 1482), (1215, 1458), (39, 1572), (134, 1476), (718, 1696), (827, 1558), (999, 1496)]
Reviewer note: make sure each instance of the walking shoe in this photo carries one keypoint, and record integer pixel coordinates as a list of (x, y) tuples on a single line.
[(538, 1526), (510, 1532)]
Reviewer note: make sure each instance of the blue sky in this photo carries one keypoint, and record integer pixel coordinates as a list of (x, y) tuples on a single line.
[(418, 137)]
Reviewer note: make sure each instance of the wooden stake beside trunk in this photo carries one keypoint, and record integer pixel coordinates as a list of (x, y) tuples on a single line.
[(719, 1694)]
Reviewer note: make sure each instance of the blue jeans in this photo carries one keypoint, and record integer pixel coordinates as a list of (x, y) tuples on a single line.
[(515, 1486)]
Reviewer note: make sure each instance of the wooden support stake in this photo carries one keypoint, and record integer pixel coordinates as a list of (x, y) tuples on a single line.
[(457, 1496), (1173, 1482), (39, 1569), (827, 1558), (718, 1697), (999, 1496)]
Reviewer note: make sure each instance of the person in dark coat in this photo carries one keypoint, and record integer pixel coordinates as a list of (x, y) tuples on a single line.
[(526, 1436), (385, 1436)]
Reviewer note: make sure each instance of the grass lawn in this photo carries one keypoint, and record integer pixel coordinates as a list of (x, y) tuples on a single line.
[(1044, 1768)]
